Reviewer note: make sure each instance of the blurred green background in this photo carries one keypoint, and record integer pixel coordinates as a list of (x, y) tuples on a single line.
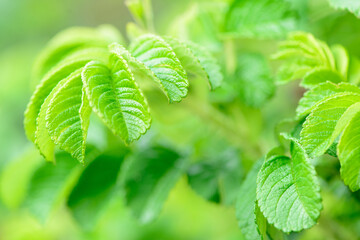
[(27, 25)]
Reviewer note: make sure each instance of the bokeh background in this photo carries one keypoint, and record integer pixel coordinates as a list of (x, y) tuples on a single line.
[(27, 25)]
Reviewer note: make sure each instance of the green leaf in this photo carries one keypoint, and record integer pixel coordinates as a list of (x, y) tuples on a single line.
[(208, 63), (187, 58), (246, 205), (50, 80), (350, 5), (319, 93), (348, 153), (114, 95), (73, 39), (43, 139), (157, 55), (302, 54), (320, 75), (94, 189), (50, 185), (260, 19), (327, 121), (252, 80), (217, 178), (68, 116), (341, 59), (148, 178), (288, 192), (142, 12)]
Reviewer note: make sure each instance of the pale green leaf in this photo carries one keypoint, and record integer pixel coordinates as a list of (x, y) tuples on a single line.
[(260, 19), (68, 115), (303, 52), (354, 71), (15, 177), (327, 121), (352, 6), (319, 93), (288, 191), (157, 55), (320, 75), (341, 59), (348, 153), (71, 40), (116, 98), (246, 206)]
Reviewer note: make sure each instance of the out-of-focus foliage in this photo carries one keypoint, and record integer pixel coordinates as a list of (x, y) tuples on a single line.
[(193, 174)]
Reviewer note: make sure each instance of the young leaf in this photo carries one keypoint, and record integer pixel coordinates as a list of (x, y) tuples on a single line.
[(94, 188), (288, 192), (157, 55), (303, 53), (51, 79), (341, 59), (327, 121), (319, 93), (43, 139), (246, 205), (348, 152), (116, 98), (148, 178), (260, 19), (68, 116)]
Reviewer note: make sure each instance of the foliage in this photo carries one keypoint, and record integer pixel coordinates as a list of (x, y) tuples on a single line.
[(174, 121)]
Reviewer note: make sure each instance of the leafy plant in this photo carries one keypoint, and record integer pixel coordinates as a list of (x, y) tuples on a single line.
[(129, 121)]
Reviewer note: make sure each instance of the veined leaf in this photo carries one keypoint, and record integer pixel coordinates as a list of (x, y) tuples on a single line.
[(351, 6), (288, 192), (148, 178), (246, 205), (68, 115), (43, 139), (51, 79), (71, 40), (157, 55), (116, 98), (209, 64), (187, 58), (327, 121), (261, 19), (349, 151), (321, 92)]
